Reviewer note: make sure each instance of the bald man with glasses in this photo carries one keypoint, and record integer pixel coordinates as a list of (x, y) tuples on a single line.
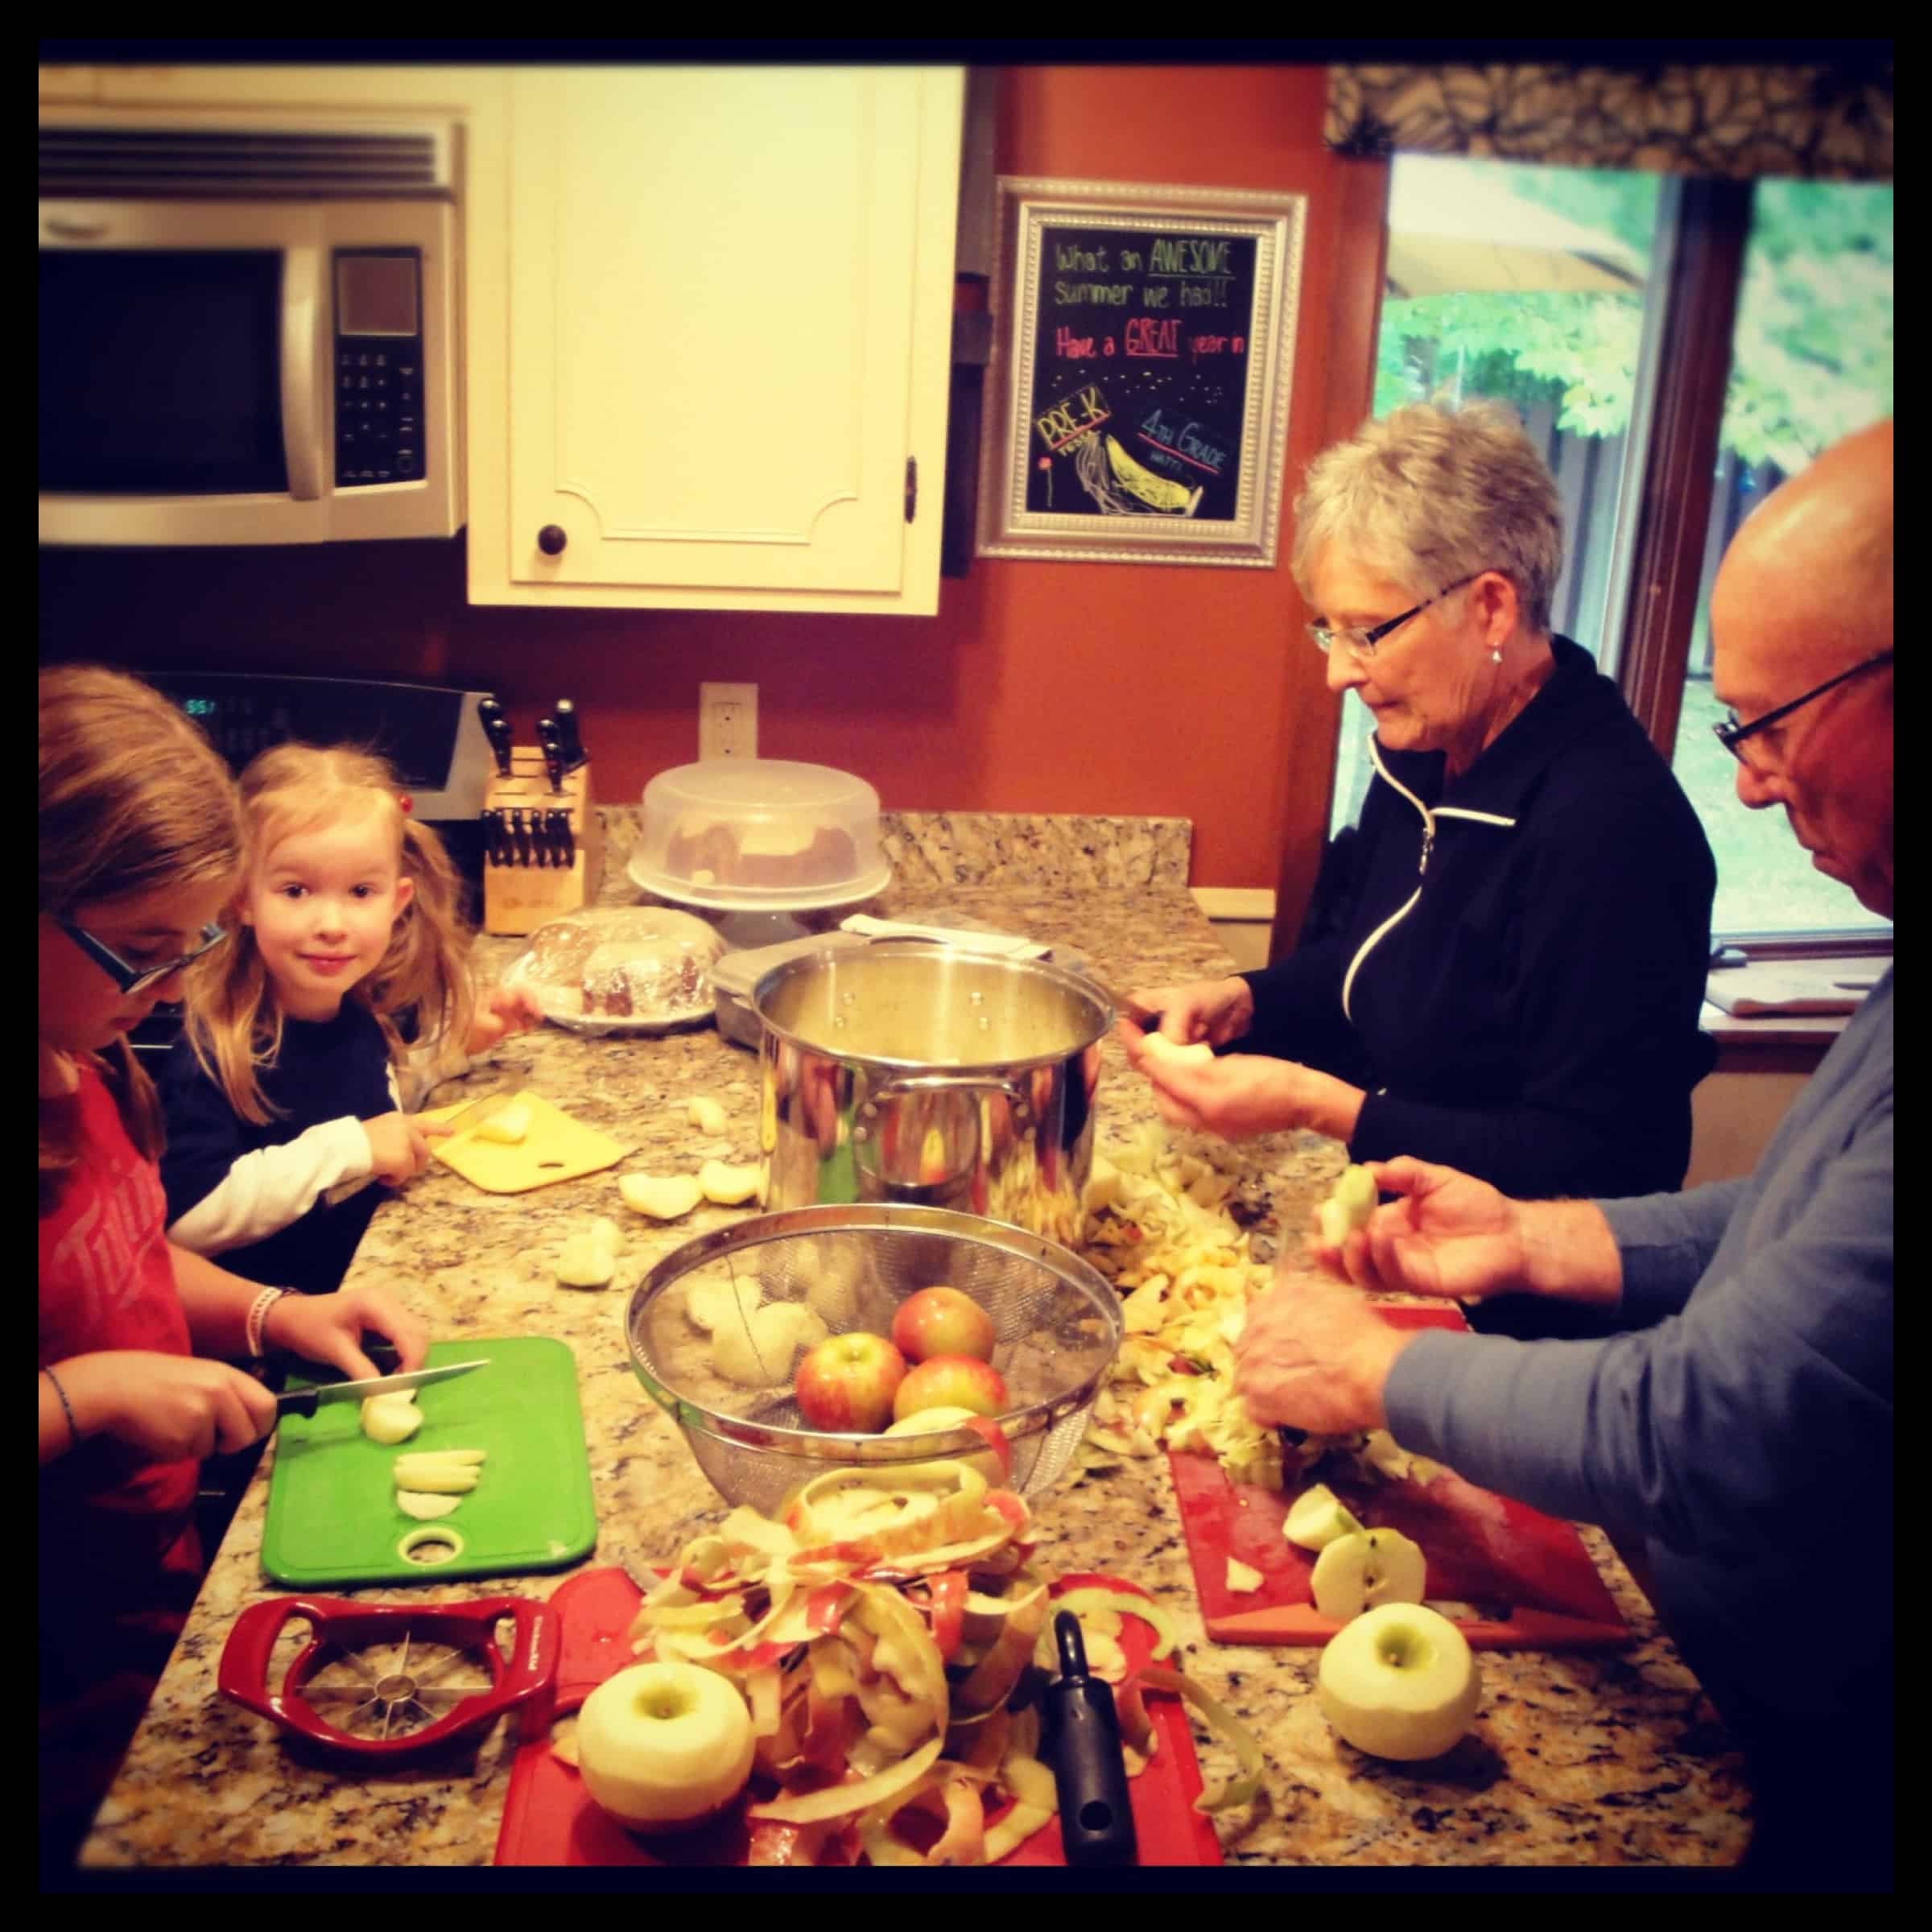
[(1735, 1410)]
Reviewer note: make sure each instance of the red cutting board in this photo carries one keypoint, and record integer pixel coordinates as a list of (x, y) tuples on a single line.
[(548, 1819), (1527, 1575)]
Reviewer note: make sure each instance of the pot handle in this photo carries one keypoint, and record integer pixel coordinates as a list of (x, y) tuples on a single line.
[(950, 1083)]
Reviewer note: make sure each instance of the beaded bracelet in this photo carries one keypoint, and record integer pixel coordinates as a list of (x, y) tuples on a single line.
[(257, 1318), (66, 1409)]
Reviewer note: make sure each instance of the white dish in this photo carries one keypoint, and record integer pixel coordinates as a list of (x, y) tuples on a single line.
[(724, 898)]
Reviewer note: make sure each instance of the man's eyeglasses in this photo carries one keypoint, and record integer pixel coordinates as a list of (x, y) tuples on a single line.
[(1730, 734), (1362, 643), (132, 979)]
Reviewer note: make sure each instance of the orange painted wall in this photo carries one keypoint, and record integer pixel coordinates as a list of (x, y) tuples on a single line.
[(1039, 686)]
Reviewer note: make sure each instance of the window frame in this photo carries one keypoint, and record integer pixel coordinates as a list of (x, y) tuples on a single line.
[(1691, 314)]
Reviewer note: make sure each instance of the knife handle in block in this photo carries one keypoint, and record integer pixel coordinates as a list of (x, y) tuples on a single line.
[(519, 898)]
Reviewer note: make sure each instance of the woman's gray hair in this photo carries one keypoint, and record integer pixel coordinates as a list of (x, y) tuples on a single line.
[(1427, 494)]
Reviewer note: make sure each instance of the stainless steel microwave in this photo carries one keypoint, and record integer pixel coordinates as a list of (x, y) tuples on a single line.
[(249, 330)]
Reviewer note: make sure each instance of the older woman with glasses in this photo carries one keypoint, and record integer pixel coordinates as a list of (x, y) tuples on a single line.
[(1503, 963)]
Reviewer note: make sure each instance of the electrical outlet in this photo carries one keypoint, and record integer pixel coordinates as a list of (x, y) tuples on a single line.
[(728, 721)]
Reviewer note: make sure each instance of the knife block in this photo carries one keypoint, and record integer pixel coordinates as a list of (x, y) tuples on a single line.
[(519, 898)]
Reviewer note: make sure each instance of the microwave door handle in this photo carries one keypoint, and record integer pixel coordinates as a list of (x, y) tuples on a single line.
[(302, 316)]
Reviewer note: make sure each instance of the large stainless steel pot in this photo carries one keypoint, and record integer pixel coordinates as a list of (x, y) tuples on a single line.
[(912, 1071)]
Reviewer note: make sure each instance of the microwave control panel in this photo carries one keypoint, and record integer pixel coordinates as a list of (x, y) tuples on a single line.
[(378, 361)]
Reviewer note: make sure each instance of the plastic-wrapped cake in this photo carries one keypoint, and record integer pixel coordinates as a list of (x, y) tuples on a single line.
[(612, 967)]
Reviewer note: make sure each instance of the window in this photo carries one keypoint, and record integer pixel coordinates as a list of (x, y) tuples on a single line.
[(1599, 305)]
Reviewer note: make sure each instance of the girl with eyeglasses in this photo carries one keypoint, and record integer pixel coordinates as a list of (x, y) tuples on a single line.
[(346, 976), (140, 850)]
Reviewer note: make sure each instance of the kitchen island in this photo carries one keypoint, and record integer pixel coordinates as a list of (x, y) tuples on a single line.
[(1605, 1759)]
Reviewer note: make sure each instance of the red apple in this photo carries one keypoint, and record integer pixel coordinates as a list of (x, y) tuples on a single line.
[(847, 1382), (951, 1382), (942, 1321)]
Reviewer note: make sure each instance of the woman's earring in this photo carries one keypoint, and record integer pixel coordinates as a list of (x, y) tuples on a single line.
[(1495, 654)]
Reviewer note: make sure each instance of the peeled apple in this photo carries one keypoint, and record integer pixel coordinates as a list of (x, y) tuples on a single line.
[(706, 1115), (1350, 1203), (509, 1124), (584, 1264), (663, 1745), (391, 1419), (1365, 1571), (1401, 1682), (758, 1350), (707, 1303), (666, 1199), (424, 1506), (1160, 1047), (1317, 1517), (728, 1186)]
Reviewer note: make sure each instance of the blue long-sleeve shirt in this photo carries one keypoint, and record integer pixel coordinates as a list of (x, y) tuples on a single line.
[(1741, 1419)]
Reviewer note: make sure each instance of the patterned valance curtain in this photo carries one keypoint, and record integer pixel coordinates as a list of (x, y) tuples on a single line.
[(1827, 121)]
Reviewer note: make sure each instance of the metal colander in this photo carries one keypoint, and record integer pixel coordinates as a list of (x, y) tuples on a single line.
[(1058, 1322)]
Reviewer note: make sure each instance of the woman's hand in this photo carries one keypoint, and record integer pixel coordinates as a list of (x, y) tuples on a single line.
[(1314, 1355), (501, 1012), (1240, 1095), (399, 1147), (1449, 1235), (329, 1328), (1214, 1010), (169, 1407)]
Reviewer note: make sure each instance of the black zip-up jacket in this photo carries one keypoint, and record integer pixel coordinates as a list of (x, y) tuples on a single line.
[(1512, 965)]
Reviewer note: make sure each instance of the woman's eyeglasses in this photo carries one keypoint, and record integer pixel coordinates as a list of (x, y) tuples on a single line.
[(1362, 643), (137, 979), (1731, 733)]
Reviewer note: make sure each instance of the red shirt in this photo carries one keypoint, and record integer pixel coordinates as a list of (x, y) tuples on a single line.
[(119, 1560)]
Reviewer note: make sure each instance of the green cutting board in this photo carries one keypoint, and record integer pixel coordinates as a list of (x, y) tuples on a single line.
[(333, 1517)]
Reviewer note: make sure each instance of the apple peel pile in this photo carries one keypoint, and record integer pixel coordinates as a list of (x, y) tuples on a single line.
[(1161, 1233), (881, 1637)]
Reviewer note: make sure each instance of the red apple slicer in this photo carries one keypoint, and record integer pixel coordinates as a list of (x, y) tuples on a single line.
[(382, 1679)]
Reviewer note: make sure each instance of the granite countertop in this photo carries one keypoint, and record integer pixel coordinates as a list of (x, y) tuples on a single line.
[(1596, 1759)]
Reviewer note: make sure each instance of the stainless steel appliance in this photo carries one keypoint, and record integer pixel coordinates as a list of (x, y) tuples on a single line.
[(249, 330)]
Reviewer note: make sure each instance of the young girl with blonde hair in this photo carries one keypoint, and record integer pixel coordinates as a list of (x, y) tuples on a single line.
[(140, 848), (347, 968)]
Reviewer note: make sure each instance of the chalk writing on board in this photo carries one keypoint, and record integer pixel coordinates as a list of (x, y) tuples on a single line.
[(1140, 374)]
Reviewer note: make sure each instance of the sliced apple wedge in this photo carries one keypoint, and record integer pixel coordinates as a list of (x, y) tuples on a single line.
[(1369, 1568), (1318, 1517)]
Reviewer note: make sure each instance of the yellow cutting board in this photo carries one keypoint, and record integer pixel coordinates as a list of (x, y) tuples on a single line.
[(555, 1149)]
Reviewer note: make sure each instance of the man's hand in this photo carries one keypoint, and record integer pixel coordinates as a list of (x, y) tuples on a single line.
[(329, 1328), (1452, 1236), (1314, 1355)]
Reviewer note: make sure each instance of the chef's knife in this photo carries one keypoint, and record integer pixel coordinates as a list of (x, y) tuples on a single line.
[(303, 1401), (564, 850), (573, 741), (1082, 1733), (477, 1112), (520, 832)]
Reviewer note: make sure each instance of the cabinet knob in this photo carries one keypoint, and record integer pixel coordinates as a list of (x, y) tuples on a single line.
[(551, 538)]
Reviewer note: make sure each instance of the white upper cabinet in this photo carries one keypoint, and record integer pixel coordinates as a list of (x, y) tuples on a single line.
[(710, 324)]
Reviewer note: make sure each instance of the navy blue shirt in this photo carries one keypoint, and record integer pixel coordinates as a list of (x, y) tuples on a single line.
[(254, 1197)]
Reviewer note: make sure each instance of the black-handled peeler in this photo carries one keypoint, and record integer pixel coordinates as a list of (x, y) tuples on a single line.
[(1082, 1736)]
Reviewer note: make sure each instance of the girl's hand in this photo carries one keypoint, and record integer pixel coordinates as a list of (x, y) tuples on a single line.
[(500, 1013), (329, 1328), (170, 1407), (1240, 1095), (398, 1148)]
